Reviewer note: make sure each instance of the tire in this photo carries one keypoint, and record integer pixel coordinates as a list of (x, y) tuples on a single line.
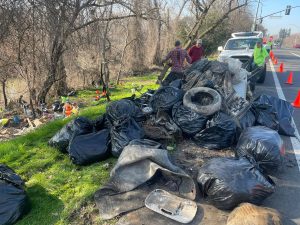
[(262, 77), (203, 100)]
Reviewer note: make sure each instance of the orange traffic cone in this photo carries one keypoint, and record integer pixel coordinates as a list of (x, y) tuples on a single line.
[(296, 103), (273, 58), (275, 61), (290, 79), (280, 70), (271, 54)]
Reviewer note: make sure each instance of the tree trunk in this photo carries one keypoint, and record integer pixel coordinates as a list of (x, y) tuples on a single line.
[(138, 49), (31, 104), (61, 87), (4, 93), (157, 56), (56, 54)]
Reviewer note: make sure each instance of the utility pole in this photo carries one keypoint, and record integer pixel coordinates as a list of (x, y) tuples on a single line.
[(254, 21)]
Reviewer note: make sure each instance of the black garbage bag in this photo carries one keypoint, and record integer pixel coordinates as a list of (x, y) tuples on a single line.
[(284, 111), (165, 97), (124, 132), (218, 134), (189, 121), (244, 120), (264, 145), (227, 182), (144, 99), (79, 126), (265, 116), (123, 109), (89, 148), (176, 83), (247, 119), (101, 123), (13, 199)]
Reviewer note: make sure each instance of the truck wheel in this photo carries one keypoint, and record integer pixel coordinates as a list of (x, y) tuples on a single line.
[(262, 77), (203, 100)]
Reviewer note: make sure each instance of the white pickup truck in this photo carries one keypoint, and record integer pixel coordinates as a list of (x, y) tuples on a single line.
[(241, 46)]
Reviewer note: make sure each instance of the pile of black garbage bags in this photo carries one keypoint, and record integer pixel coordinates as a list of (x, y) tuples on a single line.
[(202, 107)]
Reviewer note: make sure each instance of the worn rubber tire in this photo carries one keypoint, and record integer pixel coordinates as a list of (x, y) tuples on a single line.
[(262, 77), (205, 110)]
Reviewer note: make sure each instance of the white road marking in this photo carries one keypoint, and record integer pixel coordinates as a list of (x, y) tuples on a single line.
[(295, 142), (295, 54)]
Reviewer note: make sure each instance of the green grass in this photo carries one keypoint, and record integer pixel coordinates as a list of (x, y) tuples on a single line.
[(57, 188)]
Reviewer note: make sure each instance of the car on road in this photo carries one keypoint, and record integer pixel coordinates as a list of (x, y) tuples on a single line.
[(297, 46), (241, 46)]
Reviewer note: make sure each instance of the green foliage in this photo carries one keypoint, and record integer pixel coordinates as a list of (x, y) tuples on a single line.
[(56, 187)]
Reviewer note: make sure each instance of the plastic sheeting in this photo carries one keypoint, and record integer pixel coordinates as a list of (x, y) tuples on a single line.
[(124, 132), (189, 121), (13, 200), (139, 171), (218, 134), (89, 148), (79, 126), (228, 182), (284, 111), (235, 67), (165, 97), (263, 145)]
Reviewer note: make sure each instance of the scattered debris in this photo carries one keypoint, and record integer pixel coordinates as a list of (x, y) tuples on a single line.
[(208, 110)]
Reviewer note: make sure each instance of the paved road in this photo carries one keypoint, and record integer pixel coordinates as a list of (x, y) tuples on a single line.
[(287, 196)]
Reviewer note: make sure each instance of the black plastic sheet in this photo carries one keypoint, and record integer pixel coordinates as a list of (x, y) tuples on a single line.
[(140, 170), (13, 199), (165, 97), (90, 148), (219, 133), (62, 138), (189, 121), (227, 182), (264, 145), (284, 111), (124, 132)]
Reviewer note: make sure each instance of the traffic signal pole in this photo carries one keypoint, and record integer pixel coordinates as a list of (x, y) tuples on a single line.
[(287, 10)]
